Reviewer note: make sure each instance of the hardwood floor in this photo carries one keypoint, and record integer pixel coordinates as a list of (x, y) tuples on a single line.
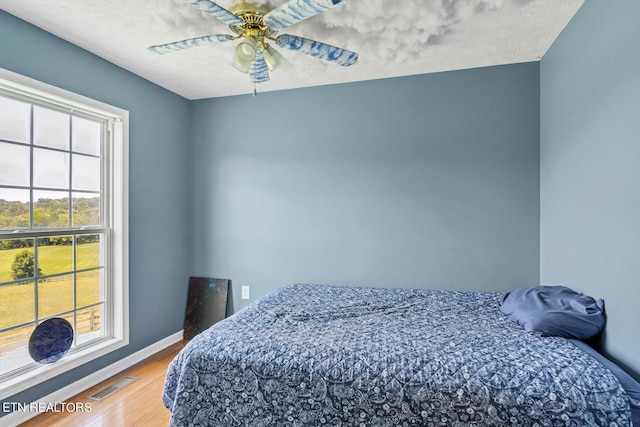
[(137, 404)]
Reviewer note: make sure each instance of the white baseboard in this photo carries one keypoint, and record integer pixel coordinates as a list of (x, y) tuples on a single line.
[(17, 417)]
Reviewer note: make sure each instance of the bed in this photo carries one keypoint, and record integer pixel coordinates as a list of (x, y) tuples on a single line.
[(314, 355)]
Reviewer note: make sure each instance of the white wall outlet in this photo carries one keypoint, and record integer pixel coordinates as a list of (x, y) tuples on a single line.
[(245, 292)]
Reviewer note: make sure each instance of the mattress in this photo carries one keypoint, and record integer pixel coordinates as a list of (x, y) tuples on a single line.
[(313, 355)]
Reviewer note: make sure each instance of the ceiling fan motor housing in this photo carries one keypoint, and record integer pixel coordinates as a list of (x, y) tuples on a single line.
[(252, 26)]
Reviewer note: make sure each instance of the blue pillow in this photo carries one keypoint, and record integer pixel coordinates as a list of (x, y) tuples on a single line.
[(628, 383), (555, 311)]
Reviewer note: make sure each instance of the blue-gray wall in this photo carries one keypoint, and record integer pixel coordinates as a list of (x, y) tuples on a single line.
[(158, 150), (590, 166), (427, 181)]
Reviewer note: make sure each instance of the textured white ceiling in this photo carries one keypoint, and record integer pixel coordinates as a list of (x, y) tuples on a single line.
[(392, 38)]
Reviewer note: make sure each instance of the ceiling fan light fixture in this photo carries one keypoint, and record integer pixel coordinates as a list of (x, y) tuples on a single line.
[(272, 57), (247, 49), (240, 65)]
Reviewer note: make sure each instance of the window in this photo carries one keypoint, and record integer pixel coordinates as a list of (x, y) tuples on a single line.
[(63, 226)]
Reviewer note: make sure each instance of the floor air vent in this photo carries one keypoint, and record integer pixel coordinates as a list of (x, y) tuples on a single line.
[(110, 389)]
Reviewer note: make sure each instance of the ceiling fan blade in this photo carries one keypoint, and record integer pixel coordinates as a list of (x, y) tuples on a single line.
[(295, 11), (186, 44), (259, 72), (217, 11), (319, 50)]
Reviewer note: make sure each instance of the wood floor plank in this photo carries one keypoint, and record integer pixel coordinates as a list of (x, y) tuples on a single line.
[(137, 404)]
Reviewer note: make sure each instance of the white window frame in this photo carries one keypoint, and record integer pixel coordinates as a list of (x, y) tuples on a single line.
[(118, 257)]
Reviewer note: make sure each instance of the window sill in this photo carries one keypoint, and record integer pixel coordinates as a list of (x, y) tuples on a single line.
[(39, 373)]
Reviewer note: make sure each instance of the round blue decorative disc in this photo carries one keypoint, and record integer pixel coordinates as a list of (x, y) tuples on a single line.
[(51, 340)]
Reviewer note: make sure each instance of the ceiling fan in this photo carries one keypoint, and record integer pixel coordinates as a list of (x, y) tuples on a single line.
[(257, 24)]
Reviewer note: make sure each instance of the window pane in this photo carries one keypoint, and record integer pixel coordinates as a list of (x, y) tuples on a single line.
[(50, 128), (50, 169), (55, 254), (14, 208), (89, 251), (89, 324), (86, 209), (85, 173), (55, 295), (16, 304), (9, 248), (15, 120), (51, 209), (13, 348), (87, 135), (16, 259), (14, 164), (89, 287)]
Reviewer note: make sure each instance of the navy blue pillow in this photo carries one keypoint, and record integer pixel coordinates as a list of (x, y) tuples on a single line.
[(628, 383), (555, 311)]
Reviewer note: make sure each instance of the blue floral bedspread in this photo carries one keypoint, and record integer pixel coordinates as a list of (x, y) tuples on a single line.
[(309, 355)]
